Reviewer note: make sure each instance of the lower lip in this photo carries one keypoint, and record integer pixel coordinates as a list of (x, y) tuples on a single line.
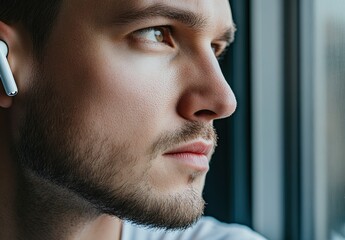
[(198, 162)]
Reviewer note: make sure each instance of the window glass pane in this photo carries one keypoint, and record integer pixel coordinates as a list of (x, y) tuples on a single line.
[(329, 118)]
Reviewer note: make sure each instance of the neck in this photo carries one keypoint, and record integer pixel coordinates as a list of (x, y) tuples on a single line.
[(35, 208)]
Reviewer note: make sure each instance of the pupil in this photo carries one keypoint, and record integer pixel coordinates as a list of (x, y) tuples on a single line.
[(159, 35)]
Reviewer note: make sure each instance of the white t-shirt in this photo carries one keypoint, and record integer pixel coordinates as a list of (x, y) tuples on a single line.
[(207, 228)]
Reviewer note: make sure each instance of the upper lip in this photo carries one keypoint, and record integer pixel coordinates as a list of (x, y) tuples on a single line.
[(199, 147)]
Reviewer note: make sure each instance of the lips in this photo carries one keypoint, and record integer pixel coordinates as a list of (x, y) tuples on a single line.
[(194, 155), (198, 148)]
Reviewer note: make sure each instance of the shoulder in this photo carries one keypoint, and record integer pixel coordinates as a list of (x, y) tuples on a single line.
[(205, 228)]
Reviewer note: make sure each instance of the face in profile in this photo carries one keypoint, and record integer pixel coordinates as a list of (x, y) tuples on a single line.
[(120, 109)]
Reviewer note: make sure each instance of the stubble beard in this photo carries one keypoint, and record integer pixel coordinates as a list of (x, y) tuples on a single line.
[(54, 148)]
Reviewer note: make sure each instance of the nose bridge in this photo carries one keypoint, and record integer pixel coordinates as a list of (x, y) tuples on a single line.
[(208, 94), (210, 71)]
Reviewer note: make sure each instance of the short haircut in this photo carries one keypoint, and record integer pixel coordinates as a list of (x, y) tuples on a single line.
[(36, 16)]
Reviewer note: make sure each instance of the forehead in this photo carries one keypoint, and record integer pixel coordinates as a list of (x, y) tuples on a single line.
[(212, 11)]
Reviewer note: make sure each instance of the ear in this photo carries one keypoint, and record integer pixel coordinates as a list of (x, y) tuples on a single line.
[(13, 35), (5, 101)]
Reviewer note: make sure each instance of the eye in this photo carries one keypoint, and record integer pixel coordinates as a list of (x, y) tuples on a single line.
[(154, 35), (219, 50)]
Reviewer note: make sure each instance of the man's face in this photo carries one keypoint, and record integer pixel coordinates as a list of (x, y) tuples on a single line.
[(120, 109)]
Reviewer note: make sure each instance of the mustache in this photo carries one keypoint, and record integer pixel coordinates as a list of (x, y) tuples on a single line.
[(189, 132)]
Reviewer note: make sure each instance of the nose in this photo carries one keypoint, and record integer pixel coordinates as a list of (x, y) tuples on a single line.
[(206, 95)]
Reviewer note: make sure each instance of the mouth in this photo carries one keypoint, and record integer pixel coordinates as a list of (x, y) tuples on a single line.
[(195, 155)]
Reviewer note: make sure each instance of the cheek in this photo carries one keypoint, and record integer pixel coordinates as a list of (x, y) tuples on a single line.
[(134, 94), (119, 94)]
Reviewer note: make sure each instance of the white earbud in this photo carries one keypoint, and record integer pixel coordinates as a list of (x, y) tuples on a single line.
[(5, 72)]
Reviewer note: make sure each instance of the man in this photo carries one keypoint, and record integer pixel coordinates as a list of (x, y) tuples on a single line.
[(112, 125)]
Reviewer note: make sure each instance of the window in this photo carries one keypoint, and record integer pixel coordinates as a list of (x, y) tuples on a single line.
[(323, 118), (298, 83), (280, 166)]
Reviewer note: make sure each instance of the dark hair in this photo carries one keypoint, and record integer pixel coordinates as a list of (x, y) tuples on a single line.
[(36, 16)]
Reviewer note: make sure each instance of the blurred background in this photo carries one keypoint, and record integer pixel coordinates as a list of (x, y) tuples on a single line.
[(280, 164)]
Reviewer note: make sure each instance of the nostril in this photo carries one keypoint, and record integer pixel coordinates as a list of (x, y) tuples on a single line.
[(205, 113)]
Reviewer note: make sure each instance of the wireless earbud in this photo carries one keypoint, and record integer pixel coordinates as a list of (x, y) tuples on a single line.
[(5, 71)]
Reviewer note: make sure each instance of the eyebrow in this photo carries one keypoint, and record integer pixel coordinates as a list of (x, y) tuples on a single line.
[(186, 17), (229, 34), (160, 10)]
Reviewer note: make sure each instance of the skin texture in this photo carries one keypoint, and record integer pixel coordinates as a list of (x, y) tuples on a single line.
[(95, 118)]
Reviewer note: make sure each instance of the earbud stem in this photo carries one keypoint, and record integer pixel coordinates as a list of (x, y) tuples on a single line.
[(6, 73)]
